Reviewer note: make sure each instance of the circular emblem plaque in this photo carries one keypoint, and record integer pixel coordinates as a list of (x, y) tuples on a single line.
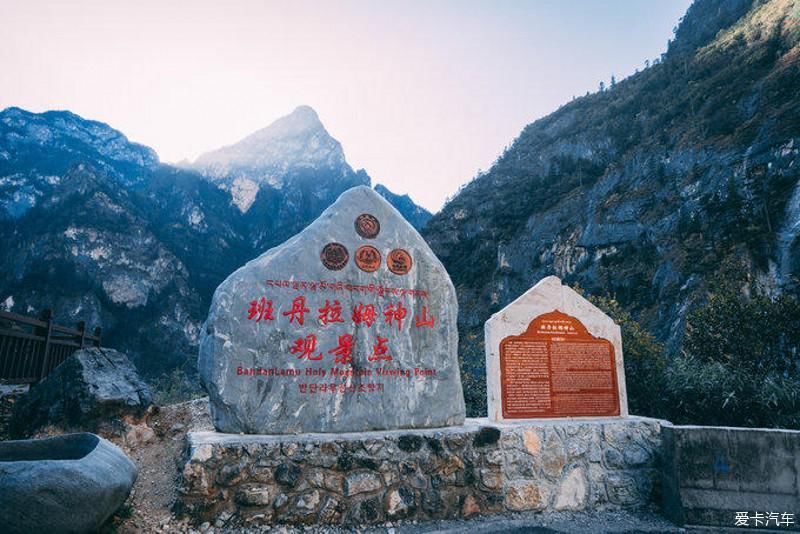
[(399, 261), (334, 256), (368, 258), (367, 226)]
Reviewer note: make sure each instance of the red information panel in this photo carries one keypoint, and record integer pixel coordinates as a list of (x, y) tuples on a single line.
[(556, 368)]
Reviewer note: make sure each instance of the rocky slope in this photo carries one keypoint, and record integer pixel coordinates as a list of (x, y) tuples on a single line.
[(96, 228), (648, 191)]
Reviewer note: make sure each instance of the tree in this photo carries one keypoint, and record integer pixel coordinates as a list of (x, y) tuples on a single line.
[(613, 81), (740, 364), (602, 86)]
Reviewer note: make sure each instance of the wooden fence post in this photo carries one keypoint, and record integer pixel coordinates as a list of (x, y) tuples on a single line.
[(82, 330), (47, 316)]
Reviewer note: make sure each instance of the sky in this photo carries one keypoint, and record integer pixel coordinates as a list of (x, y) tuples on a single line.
[(423, 94)]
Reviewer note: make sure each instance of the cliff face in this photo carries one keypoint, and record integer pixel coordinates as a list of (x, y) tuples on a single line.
[(647, 191)]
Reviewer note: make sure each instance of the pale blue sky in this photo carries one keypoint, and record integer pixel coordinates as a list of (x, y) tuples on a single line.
[(421, 94)]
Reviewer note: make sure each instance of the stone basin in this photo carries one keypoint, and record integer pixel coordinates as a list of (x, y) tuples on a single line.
[(69, 483)]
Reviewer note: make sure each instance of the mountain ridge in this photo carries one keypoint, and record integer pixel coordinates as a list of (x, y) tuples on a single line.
[(97, 229), (648, 191)]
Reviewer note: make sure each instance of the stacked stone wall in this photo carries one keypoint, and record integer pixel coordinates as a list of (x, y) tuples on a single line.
[(372, 477)]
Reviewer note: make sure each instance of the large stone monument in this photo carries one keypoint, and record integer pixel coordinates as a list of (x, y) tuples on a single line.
[(269, 371), (348, 326), (552, 353)]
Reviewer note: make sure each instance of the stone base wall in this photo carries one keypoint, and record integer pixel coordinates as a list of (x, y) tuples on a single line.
[(371, 477)]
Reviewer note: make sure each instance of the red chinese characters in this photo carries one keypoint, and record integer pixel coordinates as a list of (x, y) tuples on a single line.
[(395, 312), (364, 314), (380, 351), (298, 311), (305, 347), (424, 320), (343, 351), (330, 313), (260, 310)]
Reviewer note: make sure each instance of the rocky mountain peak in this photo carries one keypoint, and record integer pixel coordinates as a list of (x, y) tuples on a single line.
[(23, 132), (296, 141)]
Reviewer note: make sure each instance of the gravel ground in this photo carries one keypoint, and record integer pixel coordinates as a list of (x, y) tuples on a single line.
[(618, 522)]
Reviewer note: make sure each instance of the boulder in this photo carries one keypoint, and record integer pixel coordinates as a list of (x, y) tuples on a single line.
[(69, 483), (92, 388), (348, 326)]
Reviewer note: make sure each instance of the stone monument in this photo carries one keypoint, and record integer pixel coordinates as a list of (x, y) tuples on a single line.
[(348, 326), (552, 353)]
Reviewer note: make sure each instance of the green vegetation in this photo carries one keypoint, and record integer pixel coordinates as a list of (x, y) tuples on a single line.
[(740, 363), (180, 385)]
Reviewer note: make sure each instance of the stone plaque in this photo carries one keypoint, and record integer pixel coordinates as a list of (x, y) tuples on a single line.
[(552, 353), (320, 335), (556, 369)]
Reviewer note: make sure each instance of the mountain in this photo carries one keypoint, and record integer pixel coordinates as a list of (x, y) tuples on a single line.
[(416, 215), (282, 176), (96, 228), (651, 190)]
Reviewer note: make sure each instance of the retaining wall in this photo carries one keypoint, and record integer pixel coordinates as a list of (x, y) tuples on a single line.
[(371, 477), (712, 473)]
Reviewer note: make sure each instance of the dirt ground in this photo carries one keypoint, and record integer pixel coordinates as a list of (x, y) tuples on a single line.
[(157, 447)]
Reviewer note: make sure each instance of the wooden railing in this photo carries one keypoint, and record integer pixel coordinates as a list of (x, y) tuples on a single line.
[(31, 348)]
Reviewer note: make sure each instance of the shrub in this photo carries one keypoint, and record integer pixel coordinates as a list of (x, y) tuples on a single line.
[(739, 365), (177, 386)]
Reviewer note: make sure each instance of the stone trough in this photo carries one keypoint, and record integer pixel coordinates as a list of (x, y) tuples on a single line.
[(69, 483)]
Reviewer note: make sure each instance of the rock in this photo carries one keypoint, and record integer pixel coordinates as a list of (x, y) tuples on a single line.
[(348, 326), (287, 474), (522, 496), (69, 483), (361, 482), (470, 506), (280, 500), (308, 502), (635, 455), (91, 388), (368, 511), (532, 442), (531, 346), (491, 478), (137, 435), (400, 502), (330, 511), (553, 456), (622, 489), (409, 443), (486, 436), (255, 495), (572, 492)]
